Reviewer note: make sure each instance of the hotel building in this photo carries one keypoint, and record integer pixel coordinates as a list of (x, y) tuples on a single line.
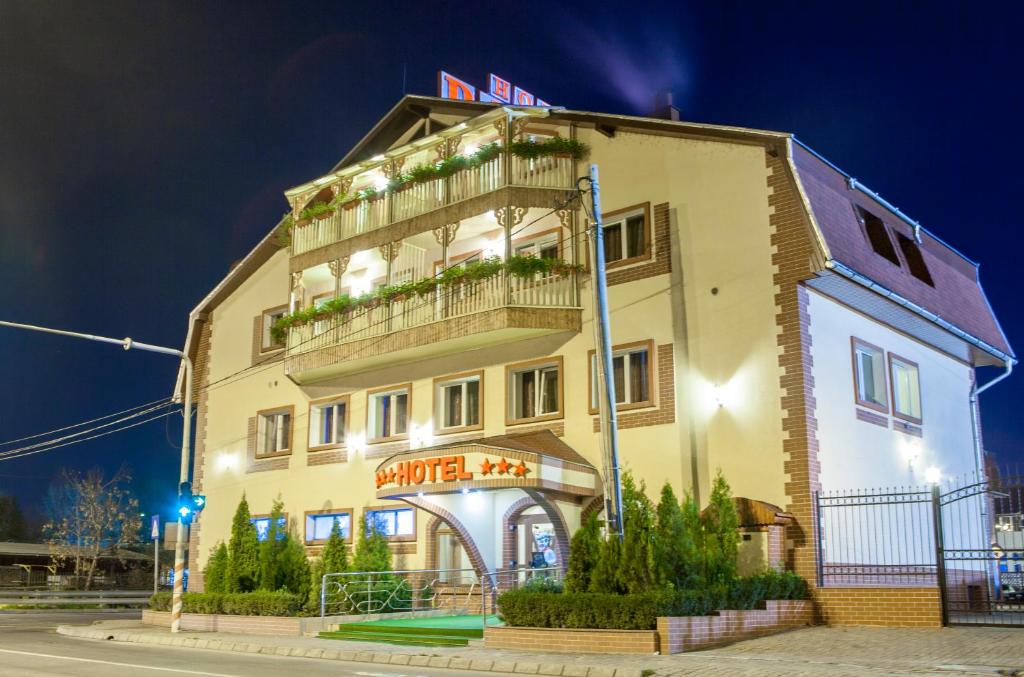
[(771, 318)]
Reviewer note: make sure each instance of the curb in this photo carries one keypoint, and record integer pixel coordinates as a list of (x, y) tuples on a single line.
[(412, 660)]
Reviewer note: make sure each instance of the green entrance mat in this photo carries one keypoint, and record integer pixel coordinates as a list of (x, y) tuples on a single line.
[(432, 631)]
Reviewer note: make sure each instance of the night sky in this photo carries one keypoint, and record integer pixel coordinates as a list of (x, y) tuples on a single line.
[(144, 147)]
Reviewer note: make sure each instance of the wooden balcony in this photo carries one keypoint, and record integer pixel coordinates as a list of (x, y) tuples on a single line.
[(364, 216), (452, 319)]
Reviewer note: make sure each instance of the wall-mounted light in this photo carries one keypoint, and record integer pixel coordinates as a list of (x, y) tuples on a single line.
[(465, 491), (470, 149)]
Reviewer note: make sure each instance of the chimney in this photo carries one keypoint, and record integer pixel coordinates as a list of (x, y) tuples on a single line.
[(663, 107)]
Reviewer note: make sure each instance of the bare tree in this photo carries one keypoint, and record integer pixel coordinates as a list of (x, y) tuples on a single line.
[(90, 516)]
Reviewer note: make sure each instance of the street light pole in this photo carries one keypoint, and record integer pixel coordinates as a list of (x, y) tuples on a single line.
[(186, 437)]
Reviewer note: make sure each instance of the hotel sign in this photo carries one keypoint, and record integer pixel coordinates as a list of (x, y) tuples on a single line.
[(468, 467), (499, 90)]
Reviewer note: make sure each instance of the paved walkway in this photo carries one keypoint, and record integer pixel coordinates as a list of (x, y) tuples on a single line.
[(818, 651)]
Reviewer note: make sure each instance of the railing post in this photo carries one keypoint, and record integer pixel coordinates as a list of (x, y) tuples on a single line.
[(323, 596), (940, 553), (820, 556)]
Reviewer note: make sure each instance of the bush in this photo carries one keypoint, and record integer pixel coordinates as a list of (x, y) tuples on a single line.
[(543, 584), (541, 609), (237, 603)]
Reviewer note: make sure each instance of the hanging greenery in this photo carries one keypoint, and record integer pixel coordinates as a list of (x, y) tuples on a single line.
[(556, 145), (284, 230), (525, 267)]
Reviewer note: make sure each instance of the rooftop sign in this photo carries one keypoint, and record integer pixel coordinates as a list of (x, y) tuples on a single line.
[(499, 90)]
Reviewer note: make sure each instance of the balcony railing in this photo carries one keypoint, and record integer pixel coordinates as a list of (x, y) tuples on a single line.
[(364, 216), (552, 291)]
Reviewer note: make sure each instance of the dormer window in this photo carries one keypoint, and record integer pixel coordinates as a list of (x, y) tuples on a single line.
[(914, 258), (878, 236)]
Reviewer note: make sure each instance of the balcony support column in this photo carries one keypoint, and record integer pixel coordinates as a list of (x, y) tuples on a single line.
[(567, 217), (338, 268), (295, 295)]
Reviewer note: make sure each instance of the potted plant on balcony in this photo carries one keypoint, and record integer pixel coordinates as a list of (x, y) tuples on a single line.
[(317, 211), (425, 287)]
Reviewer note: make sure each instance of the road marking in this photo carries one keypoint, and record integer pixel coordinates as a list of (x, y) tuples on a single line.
[(123, 665)]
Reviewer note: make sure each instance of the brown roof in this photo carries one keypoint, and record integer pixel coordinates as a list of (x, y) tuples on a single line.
[(543, 442), (956, 296)]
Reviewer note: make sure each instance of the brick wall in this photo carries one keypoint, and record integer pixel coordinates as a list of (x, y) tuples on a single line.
[(892, 607), (200, 379), (565, 640), (688, 633), (249, 625)]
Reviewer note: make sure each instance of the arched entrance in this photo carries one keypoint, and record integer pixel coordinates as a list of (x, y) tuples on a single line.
[(500, 502)]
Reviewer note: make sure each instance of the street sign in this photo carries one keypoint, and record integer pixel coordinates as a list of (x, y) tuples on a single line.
[(154, 527)]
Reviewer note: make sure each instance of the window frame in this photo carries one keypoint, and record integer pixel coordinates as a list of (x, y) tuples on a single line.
[(854, 343), (332, 511), (407, 538), (439, 383), (542, 235), (892, 388), (337, 399), (267, 344), (286, 409), (623, 348), (622, 215), (371, 429), (266, 516), (510, 369)]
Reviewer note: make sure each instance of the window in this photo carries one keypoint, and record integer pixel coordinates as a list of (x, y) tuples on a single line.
[(627, 235), (320, 524), (535, 390), (388, 413), (271, 316), (906, 389), (327, 423), (915, 261), (869, 374), (262, 524), (397, 523), (542, 245), (459, 402), (878, 235), (274, 431), (631, 371)]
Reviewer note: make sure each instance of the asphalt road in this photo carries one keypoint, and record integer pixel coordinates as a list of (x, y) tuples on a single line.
[(30, 645)]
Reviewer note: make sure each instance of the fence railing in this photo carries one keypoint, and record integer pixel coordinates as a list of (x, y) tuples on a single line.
[(451, 591), (444, 303), (361, 216), (32, 598), (876, 537)]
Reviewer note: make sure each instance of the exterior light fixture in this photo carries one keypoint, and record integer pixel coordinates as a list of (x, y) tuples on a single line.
[(465, 491), (932, 475)]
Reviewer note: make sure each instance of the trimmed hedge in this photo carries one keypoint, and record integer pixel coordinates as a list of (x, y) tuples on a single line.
[(237, 604), (540, 609)]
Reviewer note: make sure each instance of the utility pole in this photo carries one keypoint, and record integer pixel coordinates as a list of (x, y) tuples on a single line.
[(186, 436), (605, 384)]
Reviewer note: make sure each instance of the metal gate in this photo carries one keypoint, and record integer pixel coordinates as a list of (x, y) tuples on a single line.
[(966, 537), (981, 552)]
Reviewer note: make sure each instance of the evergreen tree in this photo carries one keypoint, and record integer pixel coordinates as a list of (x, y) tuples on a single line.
[(669, 541), (243, 551), (335, 554), (316, 579), (12, 521), (272, 550), (691, 550), (294, 569), (636, 569), (215, 576), (584, 551), (372, 552), (605, 575), (721, 534)]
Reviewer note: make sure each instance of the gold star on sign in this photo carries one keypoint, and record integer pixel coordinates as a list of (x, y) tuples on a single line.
[(521, 469), (391, 475), (502, 467), (485, 467)]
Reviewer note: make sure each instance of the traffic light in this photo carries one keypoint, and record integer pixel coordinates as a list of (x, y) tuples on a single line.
[(186, 502), (198, 502)]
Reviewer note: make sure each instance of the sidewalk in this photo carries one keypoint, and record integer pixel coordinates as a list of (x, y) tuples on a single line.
[(819, 651)]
